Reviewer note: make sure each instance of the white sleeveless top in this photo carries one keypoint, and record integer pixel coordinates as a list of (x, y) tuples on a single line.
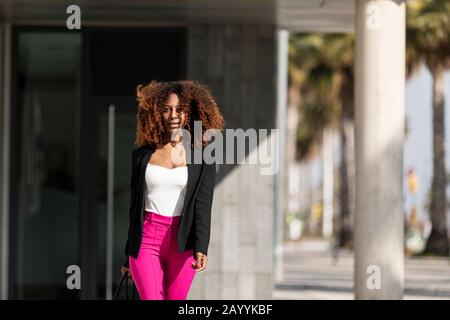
[(165, 189)]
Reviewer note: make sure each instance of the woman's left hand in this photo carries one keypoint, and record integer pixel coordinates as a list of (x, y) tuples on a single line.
[(201, 262)]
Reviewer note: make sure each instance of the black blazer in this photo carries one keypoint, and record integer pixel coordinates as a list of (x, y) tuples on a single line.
[(195, 223)]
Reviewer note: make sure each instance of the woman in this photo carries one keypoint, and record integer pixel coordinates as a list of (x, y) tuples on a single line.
[(171, 194)]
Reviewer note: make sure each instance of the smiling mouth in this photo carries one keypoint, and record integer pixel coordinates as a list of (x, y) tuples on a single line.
[(174, 125)]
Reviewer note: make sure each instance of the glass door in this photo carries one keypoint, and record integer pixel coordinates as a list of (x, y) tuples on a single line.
[(116, 133), (45, 167)]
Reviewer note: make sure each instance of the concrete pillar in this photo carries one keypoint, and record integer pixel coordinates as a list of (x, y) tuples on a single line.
[(5, 71), (379, 135), (328, 182), (238, 63), (281, 192)]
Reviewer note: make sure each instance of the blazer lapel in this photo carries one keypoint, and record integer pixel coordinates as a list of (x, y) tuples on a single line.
[(193, 175), (144, 157)]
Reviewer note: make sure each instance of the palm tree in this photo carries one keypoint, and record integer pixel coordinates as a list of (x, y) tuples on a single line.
[(427, 39), (322, 67)]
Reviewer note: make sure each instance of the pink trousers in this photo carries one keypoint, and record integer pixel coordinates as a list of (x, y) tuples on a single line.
[(160, 272)]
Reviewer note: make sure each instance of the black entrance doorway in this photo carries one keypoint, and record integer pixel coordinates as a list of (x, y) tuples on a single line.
[(117, 60)]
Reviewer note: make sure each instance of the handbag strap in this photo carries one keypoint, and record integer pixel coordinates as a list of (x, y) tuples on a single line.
[(125, 276), (134, 293)]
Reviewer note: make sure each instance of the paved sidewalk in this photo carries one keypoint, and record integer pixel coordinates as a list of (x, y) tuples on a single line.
[(310, 273)]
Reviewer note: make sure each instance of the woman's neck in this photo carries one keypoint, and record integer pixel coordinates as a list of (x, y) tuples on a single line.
[(167, 141)]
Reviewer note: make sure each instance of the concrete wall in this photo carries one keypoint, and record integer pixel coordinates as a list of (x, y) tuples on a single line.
[(238, 63), (2, 267), (5, 32)]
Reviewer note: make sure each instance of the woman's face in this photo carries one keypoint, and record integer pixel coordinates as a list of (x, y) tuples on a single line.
[(173, 115)]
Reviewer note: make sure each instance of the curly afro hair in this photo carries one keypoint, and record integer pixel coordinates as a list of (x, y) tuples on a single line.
[(195, 98)]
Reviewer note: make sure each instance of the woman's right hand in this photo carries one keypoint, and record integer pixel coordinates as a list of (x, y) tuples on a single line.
[(125, 269)]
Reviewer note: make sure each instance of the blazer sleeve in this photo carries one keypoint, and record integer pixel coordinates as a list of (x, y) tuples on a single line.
[(202, 210), (132, 185)]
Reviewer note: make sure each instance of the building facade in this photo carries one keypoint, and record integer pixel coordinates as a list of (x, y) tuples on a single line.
[(67, 114)]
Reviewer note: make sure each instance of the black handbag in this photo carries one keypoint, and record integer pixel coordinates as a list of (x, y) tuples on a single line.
[(122, 291)]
